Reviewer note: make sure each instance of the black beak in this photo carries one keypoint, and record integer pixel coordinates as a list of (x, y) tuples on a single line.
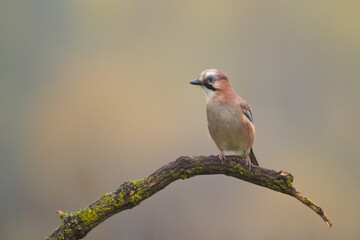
[(196, 82)]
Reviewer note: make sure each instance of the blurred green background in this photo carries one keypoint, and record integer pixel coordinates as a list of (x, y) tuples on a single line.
[(95, 93)]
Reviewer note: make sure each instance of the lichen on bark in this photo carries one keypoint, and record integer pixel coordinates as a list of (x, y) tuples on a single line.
[(76, 225)]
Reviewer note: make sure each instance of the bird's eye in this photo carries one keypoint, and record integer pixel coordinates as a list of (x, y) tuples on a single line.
[(211, 79)]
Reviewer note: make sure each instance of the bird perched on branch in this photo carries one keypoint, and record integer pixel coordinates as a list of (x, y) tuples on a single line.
[(229, 117)]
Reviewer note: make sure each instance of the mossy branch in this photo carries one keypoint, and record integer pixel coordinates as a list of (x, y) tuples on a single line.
[(76, 225)]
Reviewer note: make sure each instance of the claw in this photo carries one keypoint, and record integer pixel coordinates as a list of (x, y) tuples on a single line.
[(248, 162), (222, 157)]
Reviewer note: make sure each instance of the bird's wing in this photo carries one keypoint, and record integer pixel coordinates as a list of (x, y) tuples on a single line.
[(247, 111)]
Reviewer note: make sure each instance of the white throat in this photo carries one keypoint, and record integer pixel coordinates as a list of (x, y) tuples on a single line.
[(209, 94)]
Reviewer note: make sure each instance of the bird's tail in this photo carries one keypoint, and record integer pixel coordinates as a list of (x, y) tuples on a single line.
[(253, 158)]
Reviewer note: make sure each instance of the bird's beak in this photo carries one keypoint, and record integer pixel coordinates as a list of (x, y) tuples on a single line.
[(196, 82)]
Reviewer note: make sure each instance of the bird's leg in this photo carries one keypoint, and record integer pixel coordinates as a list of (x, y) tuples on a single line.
[(248, 162), (222, 156), (243, 153)]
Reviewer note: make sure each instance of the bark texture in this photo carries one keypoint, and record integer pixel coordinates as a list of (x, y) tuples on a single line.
[(76, 225)]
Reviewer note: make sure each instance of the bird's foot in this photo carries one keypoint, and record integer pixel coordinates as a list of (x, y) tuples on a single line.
[(222, 157), (248, 162)]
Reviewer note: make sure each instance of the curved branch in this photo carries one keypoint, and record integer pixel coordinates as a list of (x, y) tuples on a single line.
[(76, 225)]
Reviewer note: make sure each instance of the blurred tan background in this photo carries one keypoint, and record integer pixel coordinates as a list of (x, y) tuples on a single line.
[(94, 93)]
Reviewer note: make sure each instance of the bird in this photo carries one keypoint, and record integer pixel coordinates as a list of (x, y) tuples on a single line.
[(229, 116)]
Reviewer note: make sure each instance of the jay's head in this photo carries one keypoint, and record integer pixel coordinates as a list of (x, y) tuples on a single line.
[(211, 81)]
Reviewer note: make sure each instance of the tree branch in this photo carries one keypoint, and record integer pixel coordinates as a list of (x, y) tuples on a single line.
[(76, 225)]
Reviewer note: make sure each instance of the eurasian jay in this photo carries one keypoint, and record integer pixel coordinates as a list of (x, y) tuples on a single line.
[(230, 121)]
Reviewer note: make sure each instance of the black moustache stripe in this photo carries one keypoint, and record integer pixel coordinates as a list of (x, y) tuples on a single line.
[(209, 86)]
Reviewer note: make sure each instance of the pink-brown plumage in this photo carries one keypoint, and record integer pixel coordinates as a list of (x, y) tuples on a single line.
[(229, 123)]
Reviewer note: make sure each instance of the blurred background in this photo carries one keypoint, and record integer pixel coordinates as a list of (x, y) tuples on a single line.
[(95, 93)]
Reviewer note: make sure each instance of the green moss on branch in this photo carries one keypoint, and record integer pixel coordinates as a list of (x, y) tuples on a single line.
[(130, 194)]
